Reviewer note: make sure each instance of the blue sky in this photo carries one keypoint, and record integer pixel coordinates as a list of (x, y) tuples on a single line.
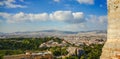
[(65, 15)]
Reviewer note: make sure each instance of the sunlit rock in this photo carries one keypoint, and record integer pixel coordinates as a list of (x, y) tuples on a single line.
[(111, 49)]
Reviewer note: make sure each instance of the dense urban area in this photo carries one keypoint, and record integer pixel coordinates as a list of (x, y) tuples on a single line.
[(52, 45)]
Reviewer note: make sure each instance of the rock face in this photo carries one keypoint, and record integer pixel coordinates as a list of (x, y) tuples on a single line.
[(111, 49)]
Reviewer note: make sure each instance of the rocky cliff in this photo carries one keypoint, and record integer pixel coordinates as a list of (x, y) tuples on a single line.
[(111, 49)]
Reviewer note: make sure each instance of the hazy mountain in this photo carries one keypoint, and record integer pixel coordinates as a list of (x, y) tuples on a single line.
[(57, 31), (48, 33)]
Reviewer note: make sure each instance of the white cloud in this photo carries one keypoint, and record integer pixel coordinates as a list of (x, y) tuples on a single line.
[(85, 1), (97, 19), (102, 19), (22, 17), (75, 21), (74, 27), (78, 15), (0, 21), (1, 3), (11, 4), (62, 16), (56, 0), (68, 16)]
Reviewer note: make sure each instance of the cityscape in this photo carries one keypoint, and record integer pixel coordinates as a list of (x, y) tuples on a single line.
[(52, 29), (52, 44)]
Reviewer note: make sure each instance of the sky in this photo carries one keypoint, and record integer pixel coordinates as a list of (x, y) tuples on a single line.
[(64, 15)]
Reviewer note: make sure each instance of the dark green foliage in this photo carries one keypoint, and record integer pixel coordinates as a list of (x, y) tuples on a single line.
[(11, 46), (72, 57), (24, 43), (58, 51), (93, 51), (9, 52), (1, 56), (57, 40)]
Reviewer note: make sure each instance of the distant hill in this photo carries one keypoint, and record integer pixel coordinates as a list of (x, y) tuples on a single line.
[(96, 31), (48, 33), (58, 31)]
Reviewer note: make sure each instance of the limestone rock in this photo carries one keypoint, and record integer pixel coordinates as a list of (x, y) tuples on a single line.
[(111, 49)]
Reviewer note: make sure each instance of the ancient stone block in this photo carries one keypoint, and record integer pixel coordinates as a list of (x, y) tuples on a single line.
[(111, 49)]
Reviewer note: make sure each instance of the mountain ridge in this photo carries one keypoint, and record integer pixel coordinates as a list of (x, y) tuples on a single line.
[(59, 31)]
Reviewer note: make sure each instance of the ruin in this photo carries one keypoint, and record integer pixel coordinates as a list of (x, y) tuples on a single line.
[(111, 49)]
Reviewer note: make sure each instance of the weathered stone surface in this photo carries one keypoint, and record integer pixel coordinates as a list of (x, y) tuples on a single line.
[(111, 49)]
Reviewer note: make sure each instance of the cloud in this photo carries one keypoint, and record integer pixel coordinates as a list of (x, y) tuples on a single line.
[(11, 4), (92, 22), (56, 0), (73, 27), (76, 26), (0, 21), (22, 17), (74, 21), (78, 17), (68, 16), (86, 1), (61, 16), (97, 19)]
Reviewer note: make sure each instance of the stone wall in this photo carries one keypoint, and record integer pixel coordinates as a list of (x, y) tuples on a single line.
[(111, 49)]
